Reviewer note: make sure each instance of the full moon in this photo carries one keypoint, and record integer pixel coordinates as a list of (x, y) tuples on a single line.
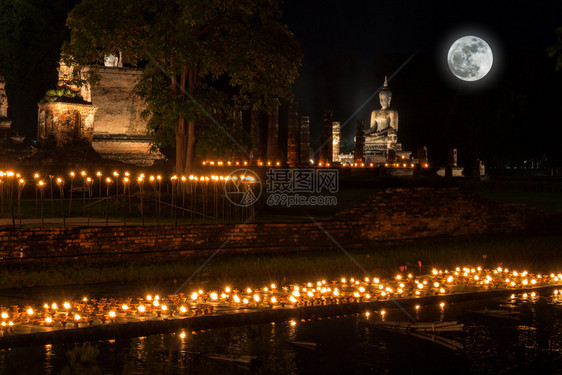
[(470, 58)]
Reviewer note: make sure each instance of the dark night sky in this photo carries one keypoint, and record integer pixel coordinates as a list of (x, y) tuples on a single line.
[(350, 45), (371, 38), (369, 28)]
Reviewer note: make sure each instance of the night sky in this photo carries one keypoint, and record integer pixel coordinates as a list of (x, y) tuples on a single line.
[(370, 28), (349, 46), (510, 116)]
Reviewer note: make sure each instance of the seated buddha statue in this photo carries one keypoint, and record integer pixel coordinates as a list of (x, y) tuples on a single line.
[(384, 121)]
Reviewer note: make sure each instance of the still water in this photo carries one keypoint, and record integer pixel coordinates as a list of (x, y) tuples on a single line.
[(520, 335)]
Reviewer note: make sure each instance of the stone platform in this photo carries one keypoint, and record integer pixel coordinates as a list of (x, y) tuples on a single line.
[(126, 149)]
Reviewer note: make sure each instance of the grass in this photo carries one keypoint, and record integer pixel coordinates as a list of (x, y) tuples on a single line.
[(547, 201), (542, 193), (543, 254)]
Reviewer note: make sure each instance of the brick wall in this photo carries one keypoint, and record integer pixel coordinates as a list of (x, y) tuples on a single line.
[(395, 214)]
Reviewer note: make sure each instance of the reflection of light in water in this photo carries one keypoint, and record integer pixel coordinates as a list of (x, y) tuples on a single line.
[(138, 347), (442, 312), (365, 345), (292, 329), (273, 332), (49, 357), (182, 350)]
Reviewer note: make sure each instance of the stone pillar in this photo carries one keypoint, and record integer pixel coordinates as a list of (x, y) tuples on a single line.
[(273, 135), (451, 162), (326, 144), (479, 169), (4, 122), (359, 152), (336, 141), (452, 158), (3, 98), (422, 160), (305, 151), (422, 155), (293, 135)]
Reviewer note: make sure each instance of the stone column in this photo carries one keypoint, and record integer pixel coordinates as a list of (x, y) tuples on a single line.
[(4, 122), (422, 155), (422, 160), (326, 140), (273, 135), (452, 159), (305, 151), (359, 152), (293, 134), (336, 141), (451, 162), (479, 169)]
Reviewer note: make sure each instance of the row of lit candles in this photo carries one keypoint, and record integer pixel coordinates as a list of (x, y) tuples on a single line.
[(126, 177), (386, 165), (8, 176), (320, 164), (402, 164), (345, 290)]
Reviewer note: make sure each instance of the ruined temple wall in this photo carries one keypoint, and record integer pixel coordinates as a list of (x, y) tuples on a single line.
[(395, 214), (119, 107)]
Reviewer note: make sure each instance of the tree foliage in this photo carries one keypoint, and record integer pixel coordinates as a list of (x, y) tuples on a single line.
[(226, 56), (31, 34), (556, 49)]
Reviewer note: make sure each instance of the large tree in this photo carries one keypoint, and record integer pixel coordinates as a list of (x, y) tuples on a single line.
[(217, 57)]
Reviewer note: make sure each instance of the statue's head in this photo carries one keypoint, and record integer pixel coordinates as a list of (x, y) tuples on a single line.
[(110, 60), (385, 95)]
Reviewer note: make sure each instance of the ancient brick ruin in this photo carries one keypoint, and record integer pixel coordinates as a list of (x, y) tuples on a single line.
[(107, 115)]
